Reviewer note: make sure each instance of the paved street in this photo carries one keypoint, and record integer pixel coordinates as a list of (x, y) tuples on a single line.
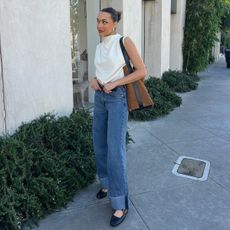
[(160, 200)]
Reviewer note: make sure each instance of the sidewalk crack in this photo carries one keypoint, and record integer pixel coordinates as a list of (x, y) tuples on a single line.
[(144, 222), (219, 184)]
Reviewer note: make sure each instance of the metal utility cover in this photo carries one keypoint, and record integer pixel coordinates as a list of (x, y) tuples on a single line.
[(192, 168)]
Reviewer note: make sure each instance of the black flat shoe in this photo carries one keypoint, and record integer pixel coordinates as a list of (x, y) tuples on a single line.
[(114, 221), (101, 194)]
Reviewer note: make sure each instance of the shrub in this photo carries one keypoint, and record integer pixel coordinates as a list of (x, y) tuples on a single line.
[(43, 165), (165, 100), (178, 81), (194, 77), (202, 24)]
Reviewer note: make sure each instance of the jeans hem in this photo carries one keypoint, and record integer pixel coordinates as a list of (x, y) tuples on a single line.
[(119, 202)]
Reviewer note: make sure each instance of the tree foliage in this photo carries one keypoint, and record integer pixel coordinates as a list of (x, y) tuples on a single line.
[(225, 24), (203, 20), (225, 19)]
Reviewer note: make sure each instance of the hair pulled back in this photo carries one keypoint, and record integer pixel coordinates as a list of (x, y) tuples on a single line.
[(115, 15)]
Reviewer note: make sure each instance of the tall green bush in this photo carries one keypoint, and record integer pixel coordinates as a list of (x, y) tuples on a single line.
[(225, 19), (225, 25), (202, 23)]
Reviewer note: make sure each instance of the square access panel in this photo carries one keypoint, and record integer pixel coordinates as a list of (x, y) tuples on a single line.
[(192, 168)]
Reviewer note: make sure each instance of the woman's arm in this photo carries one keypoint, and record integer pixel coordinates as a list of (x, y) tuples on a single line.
[(140, 69)]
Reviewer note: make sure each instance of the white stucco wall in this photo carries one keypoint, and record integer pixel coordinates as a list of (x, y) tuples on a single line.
[(2, 109), (177, 36), (152, 38), (165, 37), (132, 21), (157, 36), (36, 54)]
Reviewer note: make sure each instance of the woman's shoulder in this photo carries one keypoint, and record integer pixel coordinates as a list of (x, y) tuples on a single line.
[(127, 41)]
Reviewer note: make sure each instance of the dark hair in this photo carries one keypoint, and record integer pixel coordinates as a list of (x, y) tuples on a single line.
[(115, 15)]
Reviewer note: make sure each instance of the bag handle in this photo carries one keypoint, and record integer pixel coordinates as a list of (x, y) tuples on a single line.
[(126, 56)]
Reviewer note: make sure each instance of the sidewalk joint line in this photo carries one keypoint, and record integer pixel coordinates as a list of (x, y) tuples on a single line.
[(144, 222), (220, 185)]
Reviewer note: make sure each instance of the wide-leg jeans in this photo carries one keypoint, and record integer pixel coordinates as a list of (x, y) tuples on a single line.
[(109, 140)]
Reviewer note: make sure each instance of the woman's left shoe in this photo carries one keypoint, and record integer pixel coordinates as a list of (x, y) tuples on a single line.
[(114, 221), (102, 193)]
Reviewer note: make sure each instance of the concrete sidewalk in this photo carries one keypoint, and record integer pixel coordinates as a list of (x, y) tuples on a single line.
[(159, 200)]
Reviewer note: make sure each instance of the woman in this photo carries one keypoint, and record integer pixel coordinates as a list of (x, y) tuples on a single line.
[(111, 112)]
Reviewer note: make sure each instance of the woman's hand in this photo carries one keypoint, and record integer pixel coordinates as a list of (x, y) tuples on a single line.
[(109, 87), (94, 84)]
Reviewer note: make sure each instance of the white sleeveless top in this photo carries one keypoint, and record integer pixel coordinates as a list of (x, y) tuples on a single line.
[(109, 60)]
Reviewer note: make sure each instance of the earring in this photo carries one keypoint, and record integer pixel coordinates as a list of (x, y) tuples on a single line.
[(114, 29)]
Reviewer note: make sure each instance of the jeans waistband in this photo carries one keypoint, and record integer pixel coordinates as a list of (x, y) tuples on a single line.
[(102, 86)]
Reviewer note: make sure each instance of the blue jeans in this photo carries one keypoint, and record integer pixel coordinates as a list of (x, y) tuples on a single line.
[(109, 140)]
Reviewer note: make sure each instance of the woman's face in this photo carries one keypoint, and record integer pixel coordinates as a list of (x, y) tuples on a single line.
[(105, 24)]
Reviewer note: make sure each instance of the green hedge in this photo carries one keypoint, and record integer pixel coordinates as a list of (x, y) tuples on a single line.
[(43, 165), (165, 100), (179, 81)]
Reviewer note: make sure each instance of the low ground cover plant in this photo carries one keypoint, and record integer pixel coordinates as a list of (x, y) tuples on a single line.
[(180, 82), (43, 165)]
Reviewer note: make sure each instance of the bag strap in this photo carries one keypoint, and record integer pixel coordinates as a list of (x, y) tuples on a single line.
[(126, 56)]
